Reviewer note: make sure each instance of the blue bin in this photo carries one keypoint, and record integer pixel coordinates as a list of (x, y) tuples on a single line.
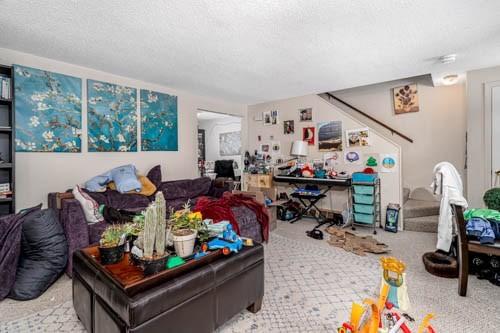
[(364, 189), (364, 218), (363, 199), (361, 177), (364, 209)]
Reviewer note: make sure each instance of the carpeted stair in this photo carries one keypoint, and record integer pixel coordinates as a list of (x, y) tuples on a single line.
[(420, 211)]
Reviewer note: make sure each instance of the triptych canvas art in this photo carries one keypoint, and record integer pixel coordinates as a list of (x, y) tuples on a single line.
[(49, 115)]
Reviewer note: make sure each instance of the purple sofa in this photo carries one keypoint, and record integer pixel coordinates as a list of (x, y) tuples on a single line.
[(80, 234)]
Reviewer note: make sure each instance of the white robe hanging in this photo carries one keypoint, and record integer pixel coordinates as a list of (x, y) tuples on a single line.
[(448, 184)]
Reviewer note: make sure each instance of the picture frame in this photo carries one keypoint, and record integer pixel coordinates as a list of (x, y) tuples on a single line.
[(406, 99), (305, 114)]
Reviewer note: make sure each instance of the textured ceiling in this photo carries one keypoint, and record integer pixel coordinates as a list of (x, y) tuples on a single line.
[(259, 50)]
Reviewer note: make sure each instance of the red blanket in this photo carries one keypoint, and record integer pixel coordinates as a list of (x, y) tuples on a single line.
[(220, 209)]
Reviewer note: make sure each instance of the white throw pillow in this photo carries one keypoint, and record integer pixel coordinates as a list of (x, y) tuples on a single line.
[(90, 206)]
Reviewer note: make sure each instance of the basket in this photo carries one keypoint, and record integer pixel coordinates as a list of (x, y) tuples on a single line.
[(364, 218), (363, 199), (360, 177), (364, 189), (364, 209)]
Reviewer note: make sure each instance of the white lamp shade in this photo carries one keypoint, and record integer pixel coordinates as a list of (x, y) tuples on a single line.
[(299, 148)]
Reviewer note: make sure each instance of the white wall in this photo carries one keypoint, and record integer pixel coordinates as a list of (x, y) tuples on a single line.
[(438, 129), (323, 111), (478, 129), (40, 173), (213, 128)]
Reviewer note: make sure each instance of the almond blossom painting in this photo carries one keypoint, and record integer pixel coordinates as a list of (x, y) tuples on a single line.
[(158, 121), (111, 117), (48, 110)]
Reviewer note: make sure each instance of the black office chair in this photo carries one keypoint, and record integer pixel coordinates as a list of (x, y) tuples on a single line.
[(224, 169)]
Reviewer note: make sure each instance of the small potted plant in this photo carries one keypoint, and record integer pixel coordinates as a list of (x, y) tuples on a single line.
[(149, 251), (133, 230), (185, 226), (112, 244)]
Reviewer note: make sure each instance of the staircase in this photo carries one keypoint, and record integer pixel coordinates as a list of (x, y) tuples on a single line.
[(420, 210)]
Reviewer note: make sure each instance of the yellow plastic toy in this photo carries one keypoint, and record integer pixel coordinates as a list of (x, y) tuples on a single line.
[(367, 317)]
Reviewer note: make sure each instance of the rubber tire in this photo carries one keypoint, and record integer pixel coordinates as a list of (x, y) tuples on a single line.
[(441, 265)]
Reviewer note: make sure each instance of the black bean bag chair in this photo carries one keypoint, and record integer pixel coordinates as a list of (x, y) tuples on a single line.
[(440, 264), (10, 247), (44, 253)]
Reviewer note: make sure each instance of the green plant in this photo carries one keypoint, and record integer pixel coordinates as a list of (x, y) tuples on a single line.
[(161, 223), (492, 198), (186, 219), (112, 235), (154, 227), (133, 228)]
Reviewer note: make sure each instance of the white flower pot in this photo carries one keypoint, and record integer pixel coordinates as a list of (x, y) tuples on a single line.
[(184, 244)]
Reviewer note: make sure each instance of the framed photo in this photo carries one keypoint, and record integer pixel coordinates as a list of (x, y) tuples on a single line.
[(358, 137), (306, 114), (230, 143), (264, 148), (330, 136), (288, 127), (276, 148), (406, 99), (274, 117), (266, 116), (308, 135)]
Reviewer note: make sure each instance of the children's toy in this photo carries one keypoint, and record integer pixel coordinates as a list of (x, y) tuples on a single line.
[(174, 261), (230, 241), (395, 278), (201, 252), (307, 171), (247, 241), (382, 315), (391, 217)]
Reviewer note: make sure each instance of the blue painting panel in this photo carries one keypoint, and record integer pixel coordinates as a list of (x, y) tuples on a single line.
[(111, 117), (48, 110), (158, 121)]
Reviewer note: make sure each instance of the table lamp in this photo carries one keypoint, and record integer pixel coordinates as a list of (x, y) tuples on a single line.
[(299, 149)]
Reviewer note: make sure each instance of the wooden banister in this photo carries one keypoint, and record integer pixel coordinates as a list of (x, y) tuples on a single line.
[(392, 130)]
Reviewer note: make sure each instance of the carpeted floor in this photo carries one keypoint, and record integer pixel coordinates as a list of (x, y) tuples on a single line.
[(309, 288)]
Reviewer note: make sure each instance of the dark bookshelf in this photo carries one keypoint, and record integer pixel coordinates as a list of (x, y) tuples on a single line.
[(7, 143)]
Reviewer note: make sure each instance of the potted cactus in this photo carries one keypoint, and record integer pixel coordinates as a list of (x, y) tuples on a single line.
[(185, 226), (149, 248), (112, 244)]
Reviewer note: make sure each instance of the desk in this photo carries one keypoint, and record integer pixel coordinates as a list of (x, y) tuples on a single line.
[(309, 202)]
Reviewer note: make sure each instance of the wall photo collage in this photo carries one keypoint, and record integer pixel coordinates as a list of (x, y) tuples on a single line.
[(49, 115), (329, 137)]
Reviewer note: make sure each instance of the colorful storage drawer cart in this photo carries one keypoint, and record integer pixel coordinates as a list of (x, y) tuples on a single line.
[(366, 200)]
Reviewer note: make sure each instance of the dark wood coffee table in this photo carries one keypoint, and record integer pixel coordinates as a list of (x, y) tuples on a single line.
[(198, 296), (130, 278)]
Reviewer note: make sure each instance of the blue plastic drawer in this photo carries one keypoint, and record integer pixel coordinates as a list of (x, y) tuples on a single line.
[(363, 199), (364, 218), (364, 209), (363, 189), (360, 177)]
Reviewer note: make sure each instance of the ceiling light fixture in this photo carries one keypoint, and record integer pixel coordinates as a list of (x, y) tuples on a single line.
[(448, 59), (451, 79)]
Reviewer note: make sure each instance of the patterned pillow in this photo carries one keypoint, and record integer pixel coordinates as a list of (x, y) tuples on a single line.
[(90, 206)]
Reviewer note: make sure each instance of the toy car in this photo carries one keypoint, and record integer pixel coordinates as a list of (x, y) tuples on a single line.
[(230, 242)]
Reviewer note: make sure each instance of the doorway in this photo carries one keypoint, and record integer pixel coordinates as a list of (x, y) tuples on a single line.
[(219, 139)]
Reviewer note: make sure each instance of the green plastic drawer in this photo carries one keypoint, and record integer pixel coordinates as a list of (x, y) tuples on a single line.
[(363, 189), (364, 218), (363, 199), (364, 209)]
